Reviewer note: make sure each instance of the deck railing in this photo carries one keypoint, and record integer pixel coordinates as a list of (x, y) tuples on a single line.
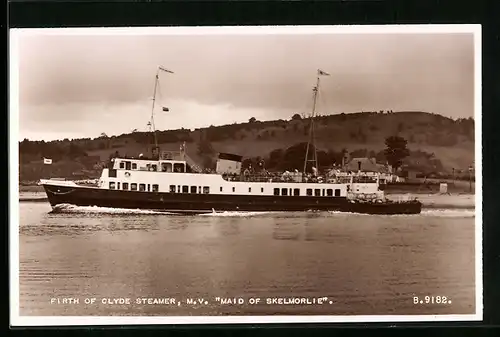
[(274, 178), (195, 167), (172, 155)]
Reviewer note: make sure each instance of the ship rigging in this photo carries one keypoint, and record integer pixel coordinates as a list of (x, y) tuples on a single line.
[(312, 138), (152, 120)]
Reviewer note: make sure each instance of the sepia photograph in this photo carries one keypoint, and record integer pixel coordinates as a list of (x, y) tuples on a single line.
[(285, 174)]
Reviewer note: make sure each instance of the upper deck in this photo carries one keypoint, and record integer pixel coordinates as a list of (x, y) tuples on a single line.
[(168, 161), (177, 162)]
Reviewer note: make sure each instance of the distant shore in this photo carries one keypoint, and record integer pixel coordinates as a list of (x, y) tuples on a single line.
[(30, 188)]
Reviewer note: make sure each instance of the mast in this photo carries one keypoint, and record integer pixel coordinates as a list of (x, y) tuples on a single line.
[(312, 139), (157, 79), (153, 110)]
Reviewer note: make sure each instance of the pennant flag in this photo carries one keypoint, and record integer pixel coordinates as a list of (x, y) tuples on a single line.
[(165, 109), (47, 161), (166, 70), (321, 72)]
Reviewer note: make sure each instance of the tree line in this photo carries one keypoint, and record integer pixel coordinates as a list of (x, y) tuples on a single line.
[(395, 154)]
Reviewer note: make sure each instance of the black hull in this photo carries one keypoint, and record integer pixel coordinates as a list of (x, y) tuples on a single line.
[(391, 208), (207, 203)]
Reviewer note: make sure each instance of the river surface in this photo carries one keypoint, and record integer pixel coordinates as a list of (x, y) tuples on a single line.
[(187, 265)]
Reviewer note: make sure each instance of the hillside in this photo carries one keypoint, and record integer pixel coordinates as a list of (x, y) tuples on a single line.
[(451, 141)]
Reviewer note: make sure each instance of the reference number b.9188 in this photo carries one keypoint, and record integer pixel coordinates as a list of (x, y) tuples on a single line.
[(431, 300)]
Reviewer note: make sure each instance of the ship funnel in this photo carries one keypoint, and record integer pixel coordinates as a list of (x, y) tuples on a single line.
[(229, 163)]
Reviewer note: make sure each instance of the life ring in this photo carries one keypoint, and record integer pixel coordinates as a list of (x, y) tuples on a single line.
[(127, 174)]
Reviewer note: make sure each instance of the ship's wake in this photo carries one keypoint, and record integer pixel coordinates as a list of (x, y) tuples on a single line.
[(95, 210), (435, 212), (449, 212), (238, 214), (68, 208)]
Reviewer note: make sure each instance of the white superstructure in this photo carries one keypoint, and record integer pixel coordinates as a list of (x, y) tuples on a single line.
[(172, 176)]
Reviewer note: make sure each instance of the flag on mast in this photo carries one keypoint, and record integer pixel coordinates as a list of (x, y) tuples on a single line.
[(165, 70), (324, 73), (47, 161)]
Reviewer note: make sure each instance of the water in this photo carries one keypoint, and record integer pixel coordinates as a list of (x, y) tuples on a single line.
[(358, 264)]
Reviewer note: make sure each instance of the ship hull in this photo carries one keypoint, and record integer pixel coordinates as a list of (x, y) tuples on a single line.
[(207, 203), (390, 208)]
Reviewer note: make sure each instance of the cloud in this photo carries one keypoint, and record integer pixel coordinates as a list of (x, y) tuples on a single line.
[(69, 83), (91, 119)]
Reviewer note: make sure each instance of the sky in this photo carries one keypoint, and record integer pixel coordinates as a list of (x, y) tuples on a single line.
[(75, 86)]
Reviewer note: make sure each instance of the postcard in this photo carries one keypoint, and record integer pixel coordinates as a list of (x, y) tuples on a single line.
[(286, 174)]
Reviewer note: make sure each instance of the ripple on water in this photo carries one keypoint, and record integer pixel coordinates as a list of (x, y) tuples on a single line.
[(368, 264)]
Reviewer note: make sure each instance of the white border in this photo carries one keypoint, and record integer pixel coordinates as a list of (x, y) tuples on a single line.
[(17, 320)]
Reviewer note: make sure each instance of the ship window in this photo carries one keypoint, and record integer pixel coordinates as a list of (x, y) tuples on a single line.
[(329, 192), (111, 185), (156, 188), (194, 189), (206, 189), (125, 186), (122, 165), (290, 192), (117, 186), (112, 173), (172, 188), (134, 166), (166, 167), (276, 191), (284, 191), (178, 167), (309, 192), (154, 167), (234, 189), (127, 165), (133, 187), (323, 193), (199, 189), (296, 192), (178, 188), (221, 188), (142, 187), (317, 192), (249, 190), (337, 192), (262, 190), (185, 189), (149, 187)]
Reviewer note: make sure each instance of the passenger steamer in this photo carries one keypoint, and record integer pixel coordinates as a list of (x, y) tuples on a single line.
[(172, 182)]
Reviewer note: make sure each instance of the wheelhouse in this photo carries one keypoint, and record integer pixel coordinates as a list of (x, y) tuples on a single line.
[(178, 166)]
